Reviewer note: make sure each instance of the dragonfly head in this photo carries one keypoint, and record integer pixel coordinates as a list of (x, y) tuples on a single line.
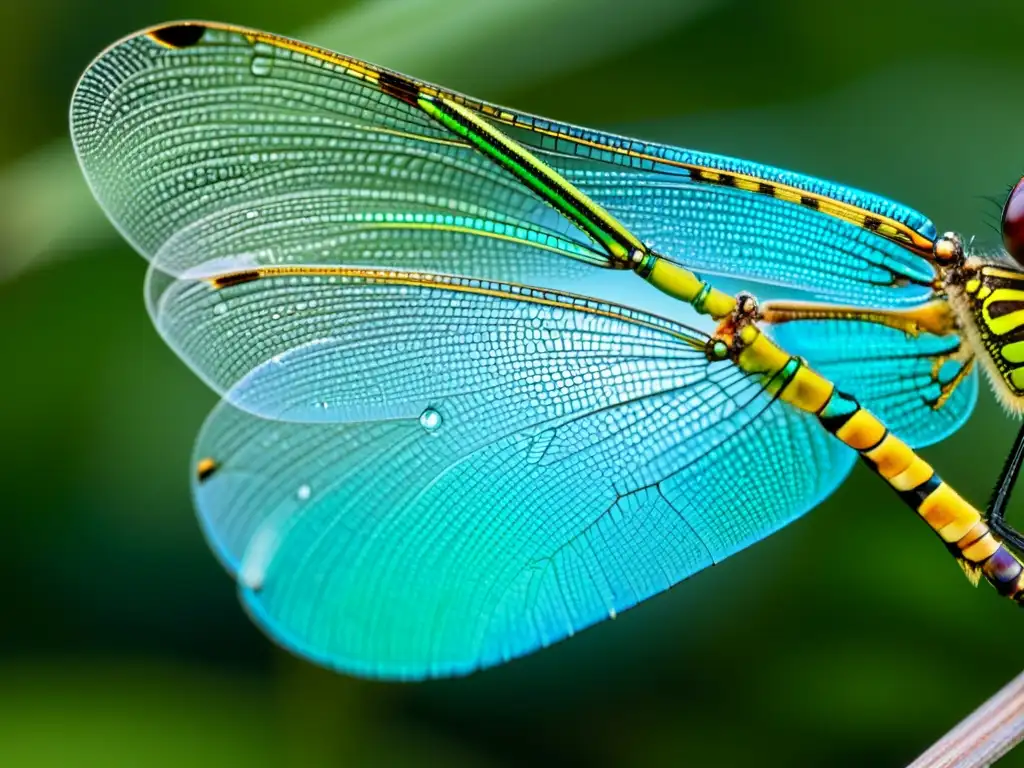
[(1012, 223), (987, 291)]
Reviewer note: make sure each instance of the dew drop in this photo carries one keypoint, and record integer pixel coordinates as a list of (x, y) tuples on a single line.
[(251, 214), (261, 66), (303, 492), (430, 419), (220, 309)]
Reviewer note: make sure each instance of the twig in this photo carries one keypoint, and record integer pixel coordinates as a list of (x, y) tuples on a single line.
[(984, 736)]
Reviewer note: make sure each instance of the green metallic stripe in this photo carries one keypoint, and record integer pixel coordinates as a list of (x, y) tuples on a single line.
[(701, 297), (550, 185), (646, 265), (777, 382)]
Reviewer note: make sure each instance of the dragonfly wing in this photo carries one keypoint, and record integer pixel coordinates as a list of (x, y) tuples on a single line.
[(230, 153), (495, 469), (921, 386), (213, 147), (734, 233)]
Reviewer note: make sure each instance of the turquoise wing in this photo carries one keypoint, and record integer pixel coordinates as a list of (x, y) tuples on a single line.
[(446, 473), (213, 147), (923, 386)]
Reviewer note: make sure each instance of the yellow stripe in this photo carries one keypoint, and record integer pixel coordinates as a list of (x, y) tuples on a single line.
[(808, 390), (948, 514), (1004, 323), (758, 353), (980, 529), (747, 185), (934, 317), (398, 277), (861, 431), (1003, 273), (680, 283), (787, 194), (891, 457), (957, 529), (911, 477), (1013, 352), (982, 549)]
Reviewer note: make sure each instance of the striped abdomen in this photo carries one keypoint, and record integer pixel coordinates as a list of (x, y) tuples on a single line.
[(956, 521)]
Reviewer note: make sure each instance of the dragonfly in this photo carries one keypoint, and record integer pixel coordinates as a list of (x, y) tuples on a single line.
[(452, 429)]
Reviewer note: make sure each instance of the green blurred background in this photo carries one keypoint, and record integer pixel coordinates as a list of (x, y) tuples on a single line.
[(850, 638)]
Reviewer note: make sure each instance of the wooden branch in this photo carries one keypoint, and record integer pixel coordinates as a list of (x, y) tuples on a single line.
[(984, 736)]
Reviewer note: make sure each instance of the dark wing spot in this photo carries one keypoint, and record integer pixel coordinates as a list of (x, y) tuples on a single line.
[(205, 468), (766, 189), (235, 278), (809, 202), (179, 35), (725, 180), (871, 223), (400, 87)]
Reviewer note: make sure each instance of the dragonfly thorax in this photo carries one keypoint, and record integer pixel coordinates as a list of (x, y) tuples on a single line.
[(988, 296), (987, 293)]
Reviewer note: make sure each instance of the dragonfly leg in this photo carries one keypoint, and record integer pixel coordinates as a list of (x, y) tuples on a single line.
[(1001, 496), (934, 317)]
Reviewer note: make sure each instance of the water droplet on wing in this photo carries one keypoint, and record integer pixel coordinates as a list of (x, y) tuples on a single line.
[(261, 66), (430, 419)]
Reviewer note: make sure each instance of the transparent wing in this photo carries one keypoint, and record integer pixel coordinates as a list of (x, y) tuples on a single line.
[(213, 147), (469, 471), (921, 386)]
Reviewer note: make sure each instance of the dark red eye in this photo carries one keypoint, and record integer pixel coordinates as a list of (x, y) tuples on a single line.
[(1013, 223)]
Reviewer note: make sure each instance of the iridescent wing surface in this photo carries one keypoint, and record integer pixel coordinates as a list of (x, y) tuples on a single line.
[(417, 474), (447, 473), (215, 147)]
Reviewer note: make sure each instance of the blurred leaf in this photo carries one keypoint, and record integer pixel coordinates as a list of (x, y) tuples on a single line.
[(133, 715)]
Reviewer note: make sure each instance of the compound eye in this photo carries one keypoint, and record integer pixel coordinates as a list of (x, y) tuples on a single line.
[(1013, 223)]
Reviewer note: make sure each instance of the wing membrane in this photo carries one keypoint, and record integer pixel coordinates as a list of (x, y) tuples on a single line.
[(346, 344), (242, 149), (496, 468)]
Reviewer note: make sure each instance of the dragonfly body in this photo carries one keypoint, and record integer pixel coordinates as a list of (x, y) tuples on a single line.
[(431, 457)]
